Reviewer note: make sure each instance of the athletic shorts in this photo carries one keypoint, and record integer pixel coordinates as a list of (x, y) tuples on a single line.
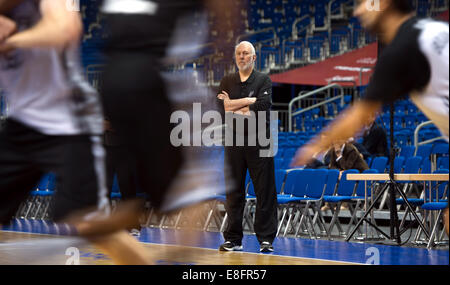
[(77, 162)]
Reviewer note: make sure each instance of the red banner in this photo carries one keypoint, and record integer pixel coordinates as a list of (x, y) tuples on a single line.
[(352, 68)]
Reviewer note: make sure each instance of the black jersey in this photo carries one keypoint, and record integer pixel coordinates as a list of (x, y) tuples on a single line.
[(143, 25)]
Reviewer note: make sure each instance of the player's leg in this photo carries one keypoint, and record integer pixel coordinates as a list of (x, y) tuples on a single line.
[(81, 201), (18, 176)]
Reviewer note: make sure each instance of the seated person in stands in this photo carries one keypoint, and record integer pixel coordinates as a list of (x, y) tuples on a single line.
[(322, 160), (361, 148), (344, 156), (375, 139)]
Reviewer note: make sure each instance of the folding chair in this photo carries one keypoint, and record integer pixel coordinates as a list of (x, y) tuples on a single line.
[(412, 166), (295, 185), (439, 150), (435, 199), (312, 200), (221, 199), (379, 163), (399, 162), (47, 197), (330, 188), (407, 151), (344, 193), (41, 198), (250, 204), (309, 192), (442, 163), (280, 176), (25, 208), (361, 199), (423, 150)]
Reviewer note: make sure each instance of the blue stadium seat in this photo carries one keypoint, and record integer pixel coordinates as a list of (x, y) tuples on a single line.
[(399, 161), (424, 150), (379, 163), (407, 151), (306, 187), (443, 162), (344, 193), (413, 164)]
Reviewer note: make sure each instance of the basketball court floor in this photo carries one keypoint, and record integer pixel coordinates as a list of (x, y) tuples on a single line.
[(34, 244)]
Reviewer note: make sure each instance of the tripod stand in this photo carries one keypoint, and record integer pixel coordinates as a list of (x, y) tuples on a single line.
[(393, 188)]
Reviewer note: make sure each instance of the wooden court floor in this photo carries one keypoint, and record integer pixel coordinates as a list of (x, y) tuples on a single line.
[(52, 250), (172, 247)]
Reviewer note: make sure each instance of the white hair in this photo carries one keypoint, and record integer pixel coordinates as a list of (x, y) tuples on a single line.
[(252, 48)]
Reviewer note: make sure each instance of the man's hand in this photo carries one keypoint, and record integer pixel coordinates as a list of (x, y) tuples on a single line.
[(244, 111), (223, 96), (251, 100), (7, 28)]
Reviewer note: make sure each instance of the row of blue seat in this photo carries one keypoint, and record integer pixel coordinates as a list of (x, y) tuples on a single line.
[(315, 187)]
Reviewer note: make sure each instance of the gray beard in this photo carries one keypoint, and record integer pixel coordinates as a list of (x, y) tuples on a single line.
[(246, 67)]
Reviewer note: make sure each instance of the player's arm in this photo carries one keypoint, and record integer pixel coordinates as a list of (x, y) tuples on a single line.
[(8, 5), (58, 28), (401, 68), (345, 126)]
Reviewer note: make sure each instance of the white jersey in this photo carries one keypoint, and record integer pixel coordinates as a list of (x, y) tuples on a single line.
[(416, 63), (433, 100), (45, 88)]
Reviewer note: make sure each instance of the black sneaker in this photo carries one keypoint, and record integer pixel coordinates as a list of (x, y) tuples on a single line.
[(230, 246), (266, 247)]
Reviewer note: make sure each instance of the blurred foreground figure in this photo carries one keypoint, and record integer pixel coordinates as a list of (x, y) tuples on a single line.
[(55, 118), (415, 61), (139, 99)]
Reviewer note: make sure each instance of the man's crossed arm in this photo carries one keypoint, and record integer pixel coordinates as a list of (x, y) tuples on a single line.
[(236, 105)]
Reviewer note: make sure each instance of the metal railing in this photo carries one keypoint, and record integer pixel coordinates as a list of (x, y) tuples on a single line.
[(94, 74), (416, 136), (353, 90), (295, 32), (291, 114)]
